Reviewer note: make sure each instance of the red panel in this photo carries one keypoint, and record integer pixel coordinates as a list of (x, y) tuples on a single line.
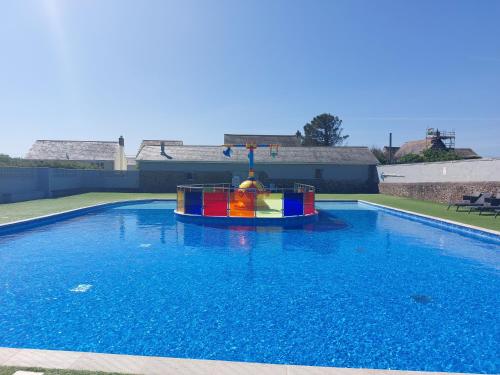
[(215, 204), (309, 203), (242, 204)]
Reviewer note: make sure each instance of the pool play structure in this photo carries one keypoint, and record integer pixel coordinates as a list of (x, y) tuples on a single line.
[(250, 202)]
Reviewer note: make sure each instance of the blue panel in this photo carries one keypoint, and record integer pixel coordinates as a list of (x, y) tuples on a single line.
[(294, 204), (193, 202)]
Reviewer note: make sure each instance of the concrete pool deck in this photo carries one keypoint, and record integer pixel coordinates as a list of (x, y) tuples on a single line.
[(131, 364)]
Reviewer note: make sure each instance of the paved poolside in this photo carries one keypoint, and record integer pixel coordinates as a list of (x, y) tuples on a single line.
[(131, 364)]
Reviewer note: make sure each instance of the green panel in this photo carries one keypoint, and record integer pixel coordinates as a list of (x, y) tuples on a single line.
[(269, 205)]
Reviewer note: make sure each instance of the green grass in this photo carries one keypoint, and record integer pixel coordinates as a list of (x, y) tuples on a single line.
[(24, 210), (10, 370)]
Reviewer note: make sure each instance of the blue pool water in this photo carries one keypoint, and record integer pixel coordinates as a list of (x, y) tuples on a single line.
[(362, 287)]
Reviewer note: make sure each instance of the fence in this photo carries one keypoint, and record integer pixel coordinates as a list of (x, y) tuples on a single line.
[(19, 184)]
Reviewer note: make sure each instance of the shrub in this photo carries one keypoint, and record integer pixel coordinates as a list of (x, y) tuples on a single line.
[(411, 158)]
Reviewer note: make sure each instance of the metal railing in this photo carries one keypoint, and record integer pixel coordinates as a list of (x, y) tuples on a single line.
[(226, 187)]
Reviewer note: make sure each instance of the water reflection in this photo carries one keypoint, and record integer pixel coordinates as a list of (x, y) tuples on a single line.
[(245, 237), (221, 237)]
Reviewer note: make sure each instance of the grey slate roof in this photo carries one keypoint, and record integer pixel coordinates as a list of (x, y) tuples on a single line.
[(157, 142), (72, 150), (282, 140), (291, 155)]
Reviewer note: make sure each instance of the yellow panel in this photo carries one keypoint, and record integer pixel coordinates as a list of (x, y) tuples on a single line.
[(180, 201), (269, 205)]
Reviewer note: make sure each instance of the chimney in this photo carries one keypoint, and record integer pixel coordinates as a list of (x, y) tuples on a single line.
[(120, 158)]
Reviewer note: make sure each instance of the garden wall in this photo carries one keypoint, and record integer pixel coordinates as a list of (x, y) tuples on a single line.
[(20, 184), (440, 181)]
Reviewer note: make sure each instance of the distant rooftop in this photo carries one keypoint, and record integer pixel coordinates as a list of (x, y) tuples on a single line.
[(72, 150), (419, 146), (292, 155), (282, 140)]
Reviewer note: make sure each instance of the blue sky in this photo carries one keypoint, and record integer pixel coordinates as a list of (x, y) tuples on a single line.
[(192, 70)]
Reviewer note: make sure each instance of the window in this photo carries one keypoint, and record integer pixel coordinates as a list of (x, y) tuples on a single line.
[(318, 173)]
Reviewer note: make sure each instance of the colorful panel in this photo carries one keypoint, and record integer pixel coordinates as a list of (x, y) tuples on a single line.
[(180, 201), (269, 205), (293, 204), (309, 203), (215, 204), (193, 202), (242, 204)]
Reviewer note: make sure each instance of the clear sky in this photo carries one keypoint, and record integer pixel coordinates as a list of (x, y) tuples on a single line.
[(193, 70)]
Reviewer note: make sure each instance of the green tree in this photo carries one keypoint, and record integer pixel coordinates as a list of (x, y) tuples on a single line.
[(411, 158), (430, 155), (323, 130), (440, 155)]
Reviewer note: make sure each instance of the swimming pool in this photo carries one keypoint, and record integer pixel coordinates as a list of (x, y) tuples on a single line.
[(362, 287)]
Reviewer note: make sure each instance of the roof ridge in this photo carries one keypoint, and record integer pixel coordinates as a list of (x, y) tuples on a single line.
[(68, 140), (262, 135)]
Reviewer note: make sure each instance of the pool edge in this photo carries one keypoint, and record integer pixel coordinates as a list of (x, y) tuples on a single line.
[(71, 213), (133, 364), (74, 212), (434, 218)]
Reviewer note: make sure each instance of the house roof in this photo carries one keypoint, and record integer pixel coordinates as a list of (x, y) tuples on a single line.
[(466, 153), (282, 140), (412, 147), (72, 150), (158, 142), (418, 147), (290, 155)]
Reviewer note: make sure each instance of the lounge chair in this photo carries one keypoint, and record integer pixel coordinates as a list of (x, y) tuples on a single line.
[(471, 201), (490, 204)]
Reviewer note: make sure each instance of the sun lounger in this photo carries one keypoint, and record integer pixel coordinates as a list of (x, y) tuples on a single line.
[(471, 201), (490, 204), (465, 200)]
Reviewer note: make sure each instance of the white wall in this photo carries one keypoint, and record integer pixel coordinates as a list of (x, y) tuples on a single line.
[(476, 170)]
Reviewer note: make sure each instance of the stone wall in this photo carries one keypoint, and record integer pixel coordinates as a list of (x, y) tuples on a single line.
[(440, 181), (442, 192), (485, 169)]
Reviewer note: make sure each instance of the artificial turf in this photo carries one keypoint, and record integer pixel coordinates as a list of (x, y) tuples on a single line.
[(24, 210)]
